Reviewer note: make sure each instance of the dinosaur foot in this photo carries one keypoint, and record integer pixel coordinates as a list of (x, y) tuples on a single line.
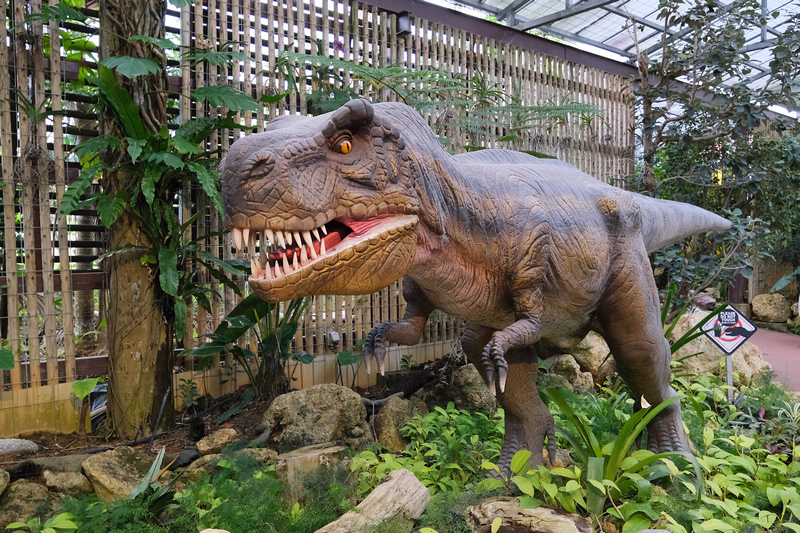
[(517, 438), (665, 432)]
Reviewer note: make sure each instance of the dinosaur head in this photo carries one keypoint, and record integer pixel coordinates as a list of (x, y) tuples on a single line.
[(323, 205)]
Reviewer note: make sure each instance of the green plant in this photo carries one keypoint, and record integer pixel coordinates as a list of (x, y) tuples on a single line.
[(274, 326), (407, 362), (446, 450), (82, 388), (61, 523), (188, 393)]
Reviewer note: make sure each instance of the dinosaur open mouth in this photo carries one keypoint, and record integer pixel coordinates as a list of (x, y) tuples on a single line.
[(278, 254)]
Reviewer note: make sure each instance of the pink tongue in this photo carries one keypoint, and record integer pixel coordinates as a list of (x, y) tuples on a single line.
[(360, 227)]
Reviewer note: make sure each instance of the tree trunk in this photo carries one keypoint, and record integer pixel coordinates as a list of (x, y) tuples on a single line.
[(140, 339)]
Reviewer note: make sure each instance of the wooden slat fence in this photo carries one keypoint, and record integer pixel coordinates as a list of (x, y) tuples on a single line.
[(46, 256)]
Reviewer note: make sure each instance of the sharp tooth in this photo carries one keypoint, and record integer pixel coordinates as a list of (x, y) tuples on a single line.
[(246, 237), (278, 271), (288, 236), (255, 268), (286, 267), (237, 238), (322, 247), (313, 252), (281, 242), (307, 238), (324, 230), (303, 256), (295, 263), (270, 236), (297, 240), (315, 233), (267, 271)]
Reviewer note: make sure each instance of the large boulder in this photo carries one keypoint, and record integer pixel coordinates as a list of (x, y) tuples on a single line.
[(771, 308), (466, 390), (17, 446), (566, 366), (392, 417), (115, 473), (516, 518), (592, 356), (24, 500), (747, 359), (323, 413)]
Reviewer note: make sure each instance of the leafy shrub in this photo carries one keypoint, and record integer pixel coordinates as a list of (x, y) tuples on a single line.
[(446, 450)]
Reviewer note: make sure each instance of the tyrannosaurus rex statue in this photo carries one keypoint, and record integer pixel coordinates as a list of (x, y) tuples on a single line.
[(521, 248)]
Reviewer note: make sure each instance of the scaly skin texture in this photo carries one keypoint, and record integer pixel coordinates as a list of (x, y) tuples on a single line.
[(521, 248)]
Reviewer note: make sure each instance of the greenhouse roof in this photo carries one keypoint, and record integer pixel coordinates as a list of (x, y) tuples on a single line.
[(606, 25)]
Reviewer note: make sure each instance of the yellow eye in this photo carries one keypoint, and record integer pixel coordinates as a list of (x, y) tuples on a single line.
[(345, 146)]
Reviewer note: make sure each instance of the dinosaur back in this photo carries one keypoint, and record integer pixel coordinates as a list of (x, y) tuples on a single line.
[(665, 222)]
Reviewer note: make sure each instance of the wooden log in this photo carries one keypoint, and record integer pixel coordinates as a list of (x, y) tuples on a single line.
[(400, 495)]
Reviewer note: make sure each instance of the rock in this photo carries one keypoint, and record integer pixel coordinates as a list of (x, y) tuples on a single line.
[(215, 442), (400, 495), (17, 446), (771, 308), (467, 390), (546, 381), (563, 459), (292, 466), (115, 473), (794, 309), (540, 520), (5, 479), (323, 413), (747, 359), (392, 417), (590, 353), (206, 465), (793, 322), (566, 366), (183, 459), (72, 484), (23, 500)]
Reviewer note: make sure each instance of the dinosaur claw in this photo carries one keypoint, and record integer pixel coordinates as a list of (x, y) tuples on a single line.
[(368, 362), (503, 374)]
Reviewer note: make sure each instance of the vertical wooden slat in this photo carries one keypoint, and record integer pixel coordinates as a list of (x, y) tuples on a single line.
[(28, 199), (58, 160), (9, 204)]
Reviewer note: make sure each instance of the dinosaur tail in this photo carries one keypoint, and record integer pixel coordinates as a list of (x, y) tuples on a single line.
[(665, 222)]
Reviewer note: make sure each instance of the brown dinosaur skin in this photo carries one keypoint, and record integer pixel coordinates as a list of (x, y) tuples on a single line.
[(521, 248)]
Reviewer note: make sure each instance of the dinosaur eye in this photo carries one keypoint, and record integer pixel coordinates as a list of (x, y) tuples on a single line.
[(343, 143)]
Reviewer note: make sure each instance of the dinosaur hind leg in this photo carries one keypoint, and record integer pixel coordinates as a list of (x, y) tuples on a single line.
[(629, 318), (527, 420)]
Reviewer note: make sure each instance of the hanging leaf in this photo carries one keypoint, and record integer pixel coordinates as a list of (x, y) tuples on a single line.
[(221, 95), (180, 317), (135, 147), (273, 98), (125, 110), (72, 196), (151, 174), (130, 67), (185, 146), (171, 160), (347, 358), (83, 387), (210, 182), (168, 275), (109, 208), (95, 145), (6, 359)]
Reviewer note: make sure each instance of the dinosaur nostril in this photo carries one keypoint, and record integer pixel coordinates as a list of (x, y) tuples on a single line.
[(262, 166)]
